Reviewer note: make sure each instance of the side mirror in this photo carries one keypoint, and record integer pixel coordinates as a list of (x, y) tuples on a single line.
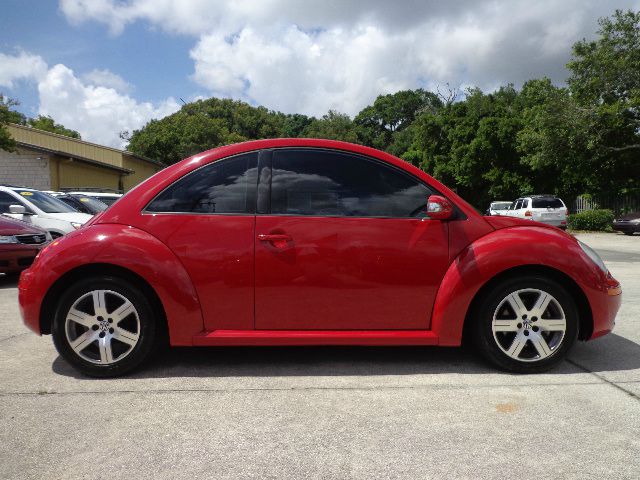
[(439, 208), (17, 209)]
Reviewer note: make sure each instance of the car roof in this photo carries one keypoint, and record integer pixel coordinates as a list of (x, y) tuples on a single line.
[(15, 187), (94, 194)]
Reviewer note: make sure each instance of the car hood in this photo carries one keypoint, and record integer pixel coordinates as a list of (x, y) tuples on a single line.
[(11, 226), (498, 222), (75, 217)]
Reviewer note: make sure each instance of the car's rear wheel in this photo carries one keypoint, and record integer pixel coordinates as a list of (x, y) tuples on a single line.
[(104, 326), (526, 324)]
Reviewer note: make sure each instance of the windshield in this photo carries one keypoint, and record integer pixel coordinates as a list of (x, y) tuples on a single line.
[(500, 205), (45, 202), (92, 204), (547, 203)]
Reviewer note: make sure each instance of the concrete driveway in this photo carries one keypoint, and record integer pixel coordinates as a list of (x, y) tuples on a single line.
[(327, 412)]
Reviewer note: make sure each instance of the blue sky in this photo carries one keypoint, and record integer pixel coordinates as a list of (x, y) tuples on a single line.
[(104, 66), (155, 63)]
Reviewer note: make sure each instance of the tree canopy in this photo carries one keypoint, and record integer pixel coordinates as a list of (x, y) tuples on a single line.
[(46, 123)]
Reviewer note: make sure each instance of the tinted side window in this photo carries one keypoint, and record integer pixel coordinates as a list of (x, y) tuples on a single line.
[(6, 200), (225, 186), (327, 183)]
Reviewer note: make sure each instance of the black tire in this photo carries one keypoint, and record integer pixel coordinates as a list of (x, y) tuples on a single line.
[(134, 355), (629, 233), (489, 345)]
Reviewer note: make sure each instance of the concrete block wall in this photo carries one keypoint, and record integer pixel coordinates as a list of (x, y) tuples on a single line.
[(25, 168)]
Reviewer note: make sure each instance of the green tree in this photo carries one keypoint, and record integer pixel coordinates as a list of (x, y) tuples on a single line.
[(605, 82), (380, 125), (7, 115), (471, 145), (554, 141), (332, 126), (178, 136), (210, 123), (46, 123)]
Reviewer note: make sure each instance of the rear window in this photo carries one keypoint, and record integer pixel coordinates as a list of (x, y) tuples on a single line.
[(547, 203)]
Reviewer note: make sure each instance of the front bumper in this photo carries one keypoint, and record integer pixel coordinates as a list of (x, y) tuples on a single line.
[(30, 296), (605, 303), (17, 258)]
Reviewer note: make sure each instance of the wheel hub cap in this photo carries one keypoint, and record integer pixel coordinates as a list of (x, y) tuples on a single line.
[(102, 327), (529, 325)]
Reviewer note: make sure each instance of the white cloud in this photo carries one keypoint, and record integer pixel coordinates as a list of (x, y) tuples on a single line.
[(94, 105), (99, 113), (106, 78), (23, 66), (311, 56)]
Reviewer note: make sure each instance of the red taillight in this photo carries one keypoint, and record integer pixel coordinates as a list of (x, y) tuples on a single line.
[(528, 213)]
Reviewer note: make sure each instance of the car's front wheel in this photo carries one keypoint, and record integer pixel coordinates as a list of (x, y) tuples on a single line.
[(526, 324), (104, 326)]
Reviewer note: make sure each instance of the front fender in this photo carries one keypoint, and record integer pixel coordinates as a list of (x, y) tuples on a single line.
[(131, 249), (497, 252)]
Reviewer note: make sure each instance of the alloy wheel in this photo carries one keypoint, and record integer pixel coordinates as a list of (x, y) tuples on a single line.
[(529, 325), (102, 327)]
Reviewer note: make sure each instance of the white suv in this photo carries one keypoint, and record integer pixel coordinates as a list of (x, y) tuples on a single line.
[(40, 209), (541, 208)]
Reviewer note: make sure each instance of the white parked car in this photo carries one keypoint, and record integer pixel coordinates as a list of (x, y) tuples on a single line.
[(498, 207), (540, 208), (40, 209)]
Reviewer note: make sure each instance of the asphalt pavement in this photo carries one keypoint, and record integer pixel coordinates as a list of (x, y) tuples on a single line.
[(327, 412)]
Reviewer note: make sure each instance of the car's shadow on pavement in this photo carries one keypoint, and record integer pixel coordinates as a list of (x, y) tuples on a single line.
[(610, 353), (8, 281)]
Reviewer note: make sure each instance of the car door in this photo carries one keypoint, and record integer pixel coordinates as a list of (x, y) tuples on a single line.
[(345, 244), (207, 218)]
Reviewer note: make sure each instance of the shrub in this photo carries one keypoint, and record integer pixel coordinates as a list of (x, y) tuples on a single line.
[(595, 220)]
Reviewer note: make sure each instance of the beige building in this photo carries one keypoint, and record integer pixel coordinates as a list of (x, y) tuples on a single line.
[(48, 161)]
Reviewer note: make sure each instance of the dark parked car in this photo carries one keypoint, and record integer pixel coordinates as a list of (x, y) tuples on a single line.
[(628, 224), (20, 242), (83, 203)]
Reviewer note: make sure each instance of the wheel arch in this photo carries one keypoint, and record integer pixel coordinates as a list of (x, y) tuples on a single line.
[(585, 315), (50, 301)]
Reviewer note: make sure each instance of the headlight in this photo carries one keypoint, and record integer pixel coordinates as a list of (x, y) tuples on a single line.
[(595, 258), (8, 239), (76, 225)]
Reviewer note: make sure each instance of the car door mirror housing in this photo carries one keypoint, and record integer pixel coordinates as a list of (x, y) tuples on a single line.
[(439, 208), (17, 209)]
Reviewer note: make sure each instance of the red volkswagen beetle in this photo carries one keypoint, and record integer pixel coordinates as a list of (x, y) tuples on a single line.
[(311, 242)]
